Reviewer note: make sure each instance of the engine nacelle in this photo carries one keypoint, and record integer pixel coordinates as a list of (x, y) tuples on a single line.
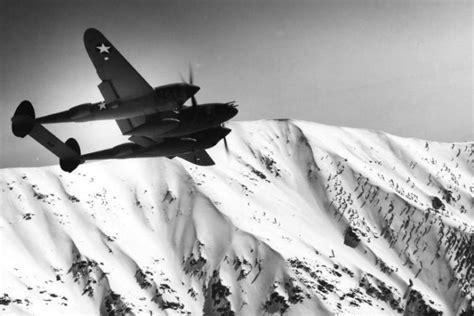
[(124, 150), (23, 120), (80, 111)]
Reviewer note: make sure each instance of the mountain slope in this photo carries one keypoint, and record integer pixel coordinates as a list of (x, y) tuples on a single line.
[(299, 218)]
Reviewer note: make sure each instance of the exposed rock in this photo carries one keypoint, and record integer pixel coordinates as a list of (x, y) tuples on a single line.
[(351, 239), (275, 304), (216, 302), (436, 203), (114, 305), (416, 306)]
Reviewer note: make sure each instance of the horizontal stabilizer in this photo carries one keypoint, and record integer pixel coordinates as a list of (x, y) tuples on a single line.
[(69, 153), (51, 142), (199, 157)]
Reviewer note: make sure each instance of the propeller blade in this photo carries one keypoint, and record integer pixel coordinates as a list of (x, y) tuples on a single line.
[(226, 146), (191, 79), (182, 78)]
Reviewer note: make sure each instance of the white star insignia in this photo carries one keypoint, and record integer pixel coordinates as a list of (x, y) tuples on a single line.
[(102, 106), (103, 48)]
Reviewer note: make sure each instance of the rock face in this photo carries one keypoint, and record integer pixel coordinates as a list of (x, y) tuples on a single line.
[(299, 219), (351, 238)]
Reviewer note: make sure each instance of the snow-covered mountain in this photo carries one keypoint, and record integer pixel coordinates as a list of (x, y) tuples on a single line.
[(299, 219)]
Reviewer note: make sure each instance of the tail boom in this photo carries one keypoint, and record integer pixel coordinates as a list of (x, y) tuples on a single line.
[(24, 123)]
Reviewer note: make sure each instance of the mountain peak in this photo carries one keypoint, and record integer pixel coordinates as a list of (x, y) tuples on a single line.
[(298, 218)]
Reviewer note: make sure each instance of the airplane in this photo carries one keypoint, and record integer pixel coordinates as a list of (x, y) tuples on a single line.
[(158, 122)]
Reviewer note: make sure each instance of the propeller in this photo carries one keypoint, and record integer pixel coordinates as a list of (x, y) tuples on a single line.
[(194, 102), (226, 146), (190, 74), (190, 81), (233, 104)]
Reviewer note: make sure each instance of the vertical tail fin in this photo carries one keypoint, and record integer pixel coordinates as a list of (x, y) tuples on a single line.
[(23, 120), (68, 164)]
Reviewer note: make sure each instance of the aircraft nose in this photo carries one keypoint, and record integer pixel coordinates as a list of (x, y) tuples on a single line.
[(230, 111), (233, 111), (224, 131), (192, 90)]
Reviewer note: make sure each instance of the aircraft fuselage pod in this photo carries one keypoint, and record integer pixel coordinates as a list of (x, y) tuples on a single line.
[(168, 148), (165, 98)]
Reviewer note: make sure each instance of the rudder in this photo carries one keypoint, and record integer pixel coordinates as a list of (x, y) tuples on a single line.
[(71, 163)]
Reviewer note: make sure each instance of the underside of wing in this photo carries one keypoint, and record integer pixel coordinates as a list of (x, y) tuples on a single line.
[(145, 141), (119, 78), (199, 157), (149, 125), (127, 125)]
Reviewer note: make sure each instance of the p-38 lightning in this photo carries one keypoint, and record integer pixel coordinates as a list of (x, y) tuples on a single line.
[(158, 122)]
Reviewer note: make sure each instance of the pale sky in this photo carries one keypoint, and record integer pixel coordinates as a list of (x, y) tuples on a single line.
[(403, 67)]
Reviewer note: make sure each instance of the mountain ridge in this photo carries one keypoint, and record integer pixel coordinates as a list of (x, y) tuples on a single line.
[(299, 217)]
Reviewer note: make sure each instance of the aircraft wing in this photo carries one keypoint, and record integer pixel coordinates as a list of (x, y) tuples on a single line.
[(119, 78), (199, 157)]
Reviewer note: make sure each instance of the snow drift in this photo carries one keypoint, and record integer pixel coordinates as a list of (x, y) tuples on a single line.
[(299, 219)]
